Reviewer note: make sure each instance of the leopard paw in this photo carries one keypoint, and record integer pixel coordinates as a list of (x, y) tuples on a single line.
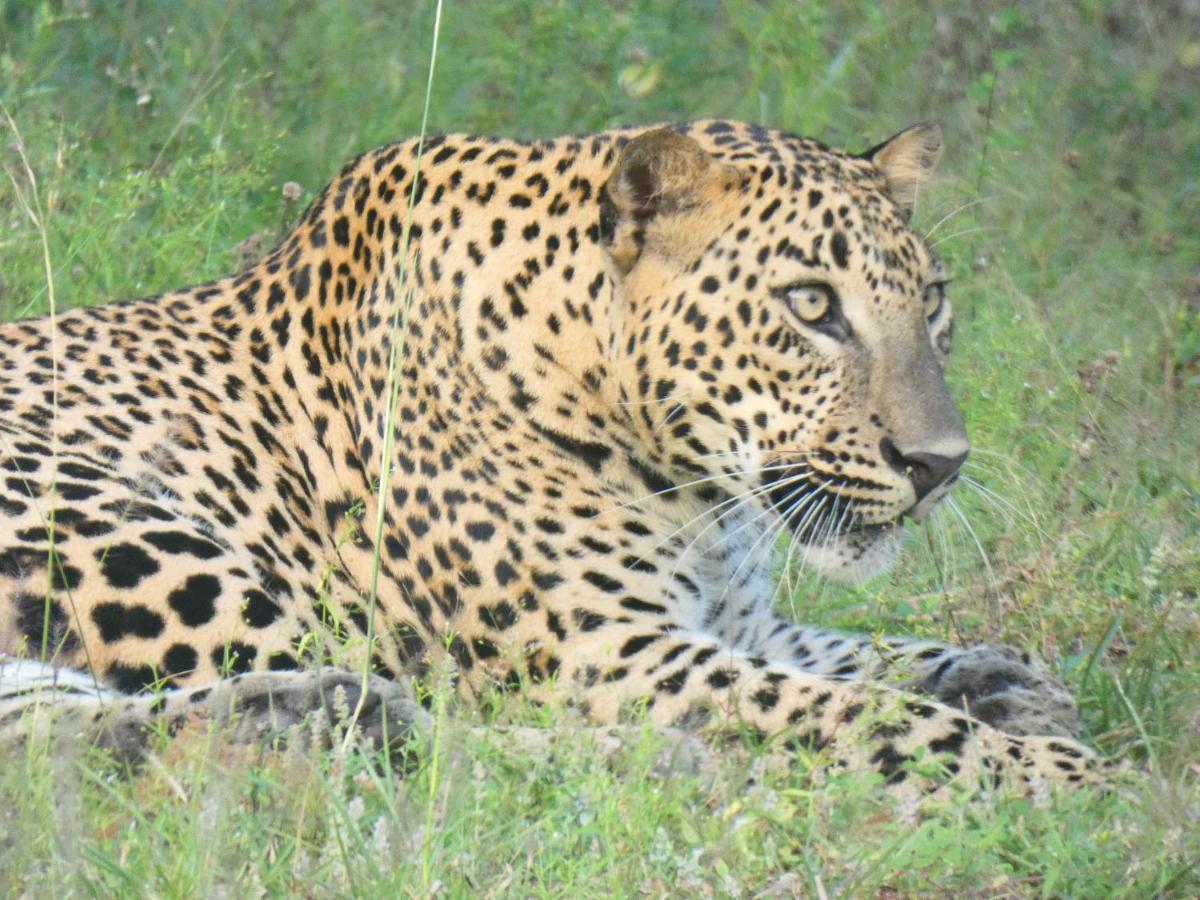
[(316, 704), (1006, 689)]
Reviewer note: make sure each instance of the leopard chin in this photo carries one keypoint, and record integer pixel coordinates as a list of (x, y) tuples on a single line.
[(857, 555)]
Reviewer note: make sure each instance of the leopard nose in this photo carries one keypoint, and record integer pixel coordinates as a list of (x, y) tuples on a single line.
[(926, 471)]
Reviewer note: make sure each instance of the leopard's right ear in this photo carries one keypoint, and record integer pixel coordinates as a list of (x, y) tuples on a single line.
[(907, 161), (659, 174)]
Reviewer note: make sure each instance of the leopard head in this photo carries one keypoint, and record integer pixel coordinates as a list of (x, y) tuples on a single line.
[(782, 330)]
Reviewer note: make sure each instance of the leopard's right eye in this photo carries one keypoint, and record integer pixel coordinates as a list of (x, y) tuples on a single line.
[(816, 305)]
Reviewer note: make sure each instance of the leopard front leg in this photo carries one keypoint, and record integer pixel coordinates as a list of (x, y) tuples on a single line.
[(692, 679), (259, 707), (254, 708), (1001, 686)]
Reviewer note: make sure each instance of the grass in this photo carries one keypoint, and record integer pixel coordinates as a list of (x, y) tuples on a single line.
[(162, 136)]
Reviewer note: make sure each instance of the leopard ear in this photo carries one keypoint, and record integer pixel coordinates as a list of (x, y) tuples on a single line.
[(658, 174), (907, 161)]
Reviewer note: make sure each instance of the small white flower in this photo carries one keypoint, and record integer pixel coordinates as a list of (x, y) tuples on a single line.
[(381, 844)]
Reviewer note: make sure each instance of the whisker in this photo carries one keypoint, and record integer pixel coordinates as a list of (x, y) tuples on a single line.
[(837, 529), (785, 572), (943, 553), (655, 400), (739, 452), (762, 514), (1008, 511), (773, 531), (756, 491), (954, 212), (707, 478), (986, 451), (668, 419), (768, 489), (795, 542), (750, 493), (992, 468), (954, 508), (1002, 469), (963, 233), (770, 535), (833, 527), (810, 517)]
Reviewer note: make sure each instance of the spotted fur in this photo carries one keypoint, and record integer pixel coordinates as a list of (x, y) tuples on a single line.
[(626, 362)]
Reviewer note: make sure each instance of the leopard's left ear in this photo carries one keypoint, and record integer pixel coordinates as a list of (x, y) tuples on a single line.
[(907, 161), (660, 176)]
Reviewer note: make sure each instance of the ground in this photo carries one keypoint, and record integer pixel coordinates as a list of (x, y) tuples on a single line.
[(166, 146)]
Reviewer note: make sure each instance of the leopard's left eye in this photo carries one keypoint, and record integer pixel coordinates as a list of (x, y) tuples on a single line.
[(935, 299)]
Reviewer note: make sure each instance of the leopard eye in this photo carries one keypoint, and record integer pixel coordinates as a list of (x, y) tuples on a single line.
[(810, 303), (935, 299), (816, 305)]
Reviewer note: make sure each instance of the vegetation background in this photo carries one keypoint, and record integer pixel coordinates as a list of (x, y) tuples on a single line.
[(172, 141)]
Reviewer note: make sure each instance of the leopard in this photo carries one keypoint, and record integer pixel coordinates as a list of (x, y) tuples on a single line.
[(547, 412)]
